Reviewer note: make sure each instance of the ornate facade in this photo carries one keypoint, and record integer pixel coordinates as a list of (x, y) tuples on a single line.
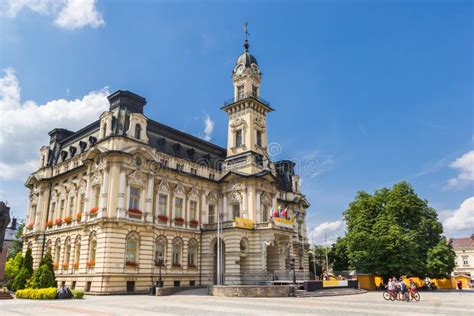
[(126, 198)]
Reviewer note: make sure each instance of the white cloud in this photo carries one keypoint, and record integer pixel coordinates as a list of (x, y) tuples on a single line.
[(25, 126), (208, 127), (465, 164), (79, 13), (68, 14), (460, 219), (329, 230)]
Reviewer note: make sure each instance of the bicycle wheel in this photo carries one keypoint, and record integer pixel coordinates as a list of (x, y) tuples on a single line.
[(386, 295), (416, 296), (393, 296)]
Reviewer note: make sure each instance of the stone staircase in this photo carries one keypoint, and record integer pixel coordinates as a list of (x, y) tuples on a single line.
[(329, 292)]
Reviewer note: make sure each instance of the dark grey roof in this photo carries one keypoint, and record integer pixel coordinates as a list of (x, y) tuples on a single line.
[(247, 59)]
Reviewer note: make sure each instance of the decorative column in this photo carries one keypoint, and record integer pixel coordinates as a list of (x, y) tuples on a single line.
[(224, 208), (121, 194), (258, 202), (149, 199), (103, 193)]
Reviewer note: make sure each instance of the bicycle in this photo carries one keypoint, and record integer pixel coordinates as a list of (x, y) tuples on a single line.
[(414, 295), (389, 295)]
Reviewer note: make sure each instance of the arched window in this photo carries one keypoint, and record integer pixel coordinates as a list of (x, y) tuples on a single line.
[(49, 247), (92, 250), (177, 247), (160, 251), (235, 210), (77, 254), (67, 253), (57, 253), (131, 250), (265, 215), (192, 253), (138, 131)]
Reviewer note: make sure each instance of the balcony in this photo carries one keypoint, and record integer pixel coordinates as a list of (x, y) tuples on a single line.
[(246, 96)]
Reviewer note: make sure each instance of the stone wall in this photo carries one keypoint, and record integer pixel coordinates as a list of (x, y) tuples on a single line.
[(250, 291)]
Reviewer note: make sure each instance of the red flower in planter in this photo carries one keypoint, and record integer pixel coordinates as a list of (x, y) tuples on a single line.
[(58, 221), (93, 211), (50, 223), (179, 220), (65, 265), (68, 219), (135, 211), (79, 216), (131, 264), (193, 222), (90, 263), (30, 226), (76, 265), (163, 218)]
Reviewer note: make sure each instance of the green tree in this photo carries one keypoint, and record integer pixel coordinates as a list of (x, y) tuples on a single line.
[(17, 244), (391, 232), (317, 259), (43, 278), (19, 283), (12, 267), (28, 261), (441, 260), (339, 257)]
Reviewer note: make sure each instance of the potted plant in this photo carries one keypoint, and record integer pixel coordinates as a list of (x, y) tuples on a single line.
[(179, 220), (79, 216), (50, 223), (135, 212), (68, 219), (93, 211), (76, 265), (58, 221), (65, 265), (90, 263), (163, 218), (193, 223)]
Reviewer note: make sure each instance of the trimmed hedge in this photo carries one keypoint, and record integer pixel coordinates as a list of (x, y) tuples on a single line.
[(78, 294), (37, 294)]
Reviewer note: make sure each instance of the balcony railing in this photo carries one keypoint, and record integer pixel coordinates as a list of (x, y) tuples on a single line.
[(245, 96)]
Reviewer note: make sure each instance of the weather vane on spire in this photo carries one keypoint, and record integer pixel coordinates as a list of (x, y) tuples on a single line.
[(245, 28)]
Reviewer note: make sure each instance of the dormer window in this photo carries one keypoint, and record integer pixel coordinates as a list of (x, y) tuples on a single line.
[(138, 131), (238, 138), (63, 155), (82, 146), (240, 92), (72, 151), (92, 140)]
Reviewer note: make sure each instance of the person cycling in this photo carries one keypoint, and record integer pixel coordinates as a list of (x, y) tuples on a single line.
[(403, 290), (391, 287)]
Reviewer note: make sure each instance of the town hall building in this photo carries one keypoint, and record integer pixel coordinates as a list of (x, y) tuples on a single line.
[(127, 202)]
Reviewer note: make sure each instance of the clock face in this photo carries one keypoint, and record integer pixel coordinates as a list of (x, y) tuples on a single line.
[(239, 69)]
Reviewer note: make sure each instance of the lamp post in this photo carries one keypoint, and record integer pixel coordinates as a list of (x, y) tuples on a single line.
[(159, 262)]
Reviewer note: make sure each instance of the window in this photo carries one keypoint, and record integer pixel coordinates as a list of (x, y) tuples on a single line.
[(238, 138), (92, 250), (465, 260), (176, 253), (61, 208), (240, 92), (193, 171), (178, 205), (193, 210), (77, 255), (265, 216), (81, 202), (212, 214), (162, 204), (71, 205), (67, 254), (138, 131), (134, 198), (57, 254), (96, 196), (164, 163), (192, 253), (53, 207), (212, 176), (131, 253), (160, 251), (179, 167), (254, 91), (259, 138), (235, 210)]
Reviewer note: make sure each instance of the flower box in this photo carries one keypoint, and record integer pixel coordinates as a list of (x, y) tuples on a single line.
[(50, 223), (76, 265), (66, 265), (55, 266), (58, 221), (163, 218), (176, 265), (192, 266), (193, 223), (90, 263), (134, 212), (131, 264), (79, 216), (67, 219), (93, 211), (179, 221), (30, 226)]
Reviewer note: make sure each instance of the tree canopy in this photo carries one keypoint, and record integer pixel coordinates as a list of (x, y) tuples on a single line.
[(395, 232)]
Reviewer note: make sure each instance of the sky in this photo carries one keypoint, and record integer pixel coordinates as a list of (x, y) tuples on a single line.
[(367, 93)]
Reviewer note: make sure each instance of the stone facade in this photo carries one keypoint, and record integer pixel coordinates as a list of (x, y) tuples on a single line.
[(464, 248), (126, 198)]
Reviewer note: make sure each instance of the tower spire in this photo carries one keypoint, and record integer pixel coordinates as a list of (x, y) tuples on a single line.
[(245, 28)]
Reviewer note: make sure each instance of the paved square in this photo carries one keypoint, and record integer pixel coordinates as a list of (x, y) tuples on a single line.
[(191, 303)]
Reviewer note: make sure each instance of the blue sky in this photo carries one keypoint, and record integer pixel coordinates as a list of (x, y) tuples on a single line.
[(374, 91)]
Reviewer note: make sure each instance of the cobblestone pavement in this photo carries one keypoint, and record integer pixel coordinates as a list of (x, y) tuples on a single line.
[(194, 303)]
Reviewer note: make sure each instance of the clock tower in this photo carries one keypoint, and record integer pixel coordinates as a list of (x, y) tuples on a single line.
[(247, 129)]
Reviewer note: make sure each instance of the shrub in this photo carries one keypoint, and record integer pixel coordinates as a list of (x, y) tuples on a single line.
[(37, 294), (43, 277), (78, 294), (28, 261), (19, 283), (12, 267)]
